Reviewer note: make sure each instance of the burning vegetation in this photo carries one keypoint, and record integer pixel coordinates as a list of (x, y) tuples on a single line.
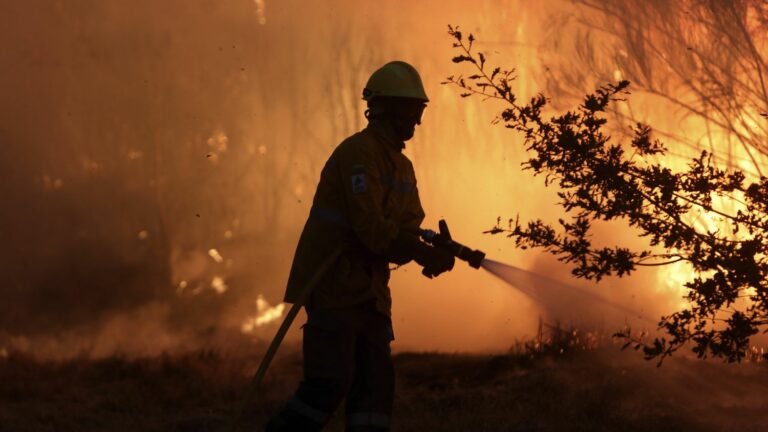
[(166, 191), (604, 181), (158, 160)]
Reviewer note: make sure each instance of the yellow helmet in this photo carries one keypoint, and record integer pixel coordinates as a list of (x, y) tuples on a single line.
[(395, 79)]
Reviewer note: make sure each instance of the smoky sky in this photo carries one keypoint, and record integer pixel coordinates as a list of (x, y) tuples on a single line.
[(151, 148)]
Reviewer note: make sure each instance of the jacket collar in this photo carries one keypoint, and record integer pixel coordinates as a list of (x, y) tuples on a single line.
[(383, 130)]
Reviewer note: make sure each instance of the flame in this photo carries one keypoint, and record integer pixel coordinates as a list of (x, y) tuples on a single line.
[(261, 11), (218, 285), (265, 314), (757, 354), (672, 279), (215, 255), (218, 143), (181, 287)]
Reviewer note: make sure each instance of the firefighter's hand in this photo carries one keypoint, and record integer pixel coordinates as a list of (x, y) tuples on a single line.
[(434, 260), (404, 248)]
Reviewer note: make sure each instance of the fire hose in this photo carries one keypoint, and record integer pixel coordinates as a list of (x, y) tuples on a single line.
[(441, 239), (258, 377)]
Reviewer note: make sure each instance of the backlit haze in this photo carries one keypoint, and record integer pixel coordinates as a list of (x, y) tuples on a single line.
[(158, 161)]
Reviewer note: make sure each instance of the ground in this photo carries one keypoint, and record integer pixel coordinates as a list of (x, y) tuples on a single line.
[(601, 389)]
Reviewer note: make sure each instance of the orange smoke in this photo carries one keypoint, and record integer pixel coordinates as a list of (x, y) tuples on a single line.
[(170, 151)]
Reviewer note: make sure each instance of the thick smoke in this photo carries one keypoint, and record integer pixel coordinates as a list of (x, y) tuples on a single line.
[(158, 160)]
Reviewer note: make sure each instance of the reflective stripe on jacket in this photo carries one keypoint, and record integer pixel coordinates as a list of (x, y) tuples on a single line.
[(366, 194)]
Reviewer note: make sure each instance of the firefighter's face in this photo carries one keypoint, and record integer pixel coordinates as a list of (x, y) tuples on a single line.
[(407, 116)]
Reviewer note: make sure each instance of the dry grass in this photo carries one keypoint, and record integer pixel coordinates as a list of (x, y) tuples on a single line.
[(538, 389)]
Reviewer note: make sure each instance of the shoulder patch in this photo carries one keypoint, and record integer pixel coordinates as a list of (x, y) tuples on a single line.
[(359, 184)]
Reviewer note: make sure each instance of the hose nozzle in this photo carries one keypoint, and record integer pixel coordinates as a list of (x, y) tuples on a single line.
[(444, 241)]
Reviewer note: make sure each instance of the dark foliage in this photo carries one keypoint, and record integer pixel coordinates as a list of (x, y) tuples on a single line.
[(600, 180)]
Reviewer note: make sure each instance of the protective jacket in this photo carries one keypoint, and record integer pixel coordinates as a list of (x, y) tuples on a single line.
[(367, 193)]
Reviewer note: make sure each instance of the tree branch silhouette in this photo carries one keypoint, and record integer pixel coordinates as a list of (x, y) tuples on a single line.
[(600, 180)]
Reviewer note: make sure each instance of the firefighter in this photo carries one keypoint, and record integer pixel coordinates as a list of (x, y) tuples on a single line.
[(368, 205)]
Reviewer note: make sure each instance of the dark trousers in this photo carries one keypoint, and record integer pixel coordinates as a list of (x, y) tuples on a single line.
[(346, 354)]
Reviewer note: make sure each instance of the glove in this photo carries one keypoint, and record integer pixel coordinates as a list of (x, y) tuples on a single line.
[(407, 247), (434, 260), (404, 248)]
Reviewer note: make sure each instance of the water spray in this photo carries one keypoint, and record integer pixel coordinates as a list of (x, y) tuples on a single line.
[(549, 292), (544, 290), (540, 288)]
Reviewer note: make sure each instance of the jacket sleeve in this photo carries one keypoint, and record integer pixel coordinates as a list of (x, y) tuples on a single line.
[(360, 174)]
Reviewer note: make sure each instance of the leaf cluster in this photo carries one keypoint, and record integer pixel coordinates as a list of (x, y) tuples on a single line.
[(601, 180)]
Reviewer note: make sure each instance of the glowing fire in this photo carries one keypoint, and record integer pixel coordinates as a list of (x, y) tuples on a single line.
[(673, 277), (218, 143), (215, 255), (181, 287), (265, 314), (218, 285), (261, 11)]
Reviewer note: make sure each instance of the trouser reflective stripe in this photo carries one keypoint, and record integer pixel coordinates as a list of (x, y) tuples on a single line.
[(307, 411), (368, 419)]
